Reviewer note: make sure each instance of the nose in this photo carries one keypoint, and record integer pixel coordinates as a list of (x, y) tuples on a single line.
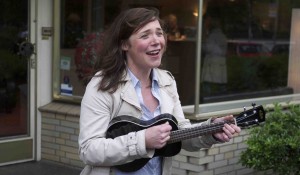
[(155, 39)]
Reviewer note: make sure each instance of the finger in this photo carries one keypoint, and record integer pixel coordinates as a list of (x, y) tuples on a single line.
[(163, 142), (165, 134), (226, 137), (229, 128), (225, 118), (166, 127), (166, 139), (228, 117), (236, 128), (227, 133)]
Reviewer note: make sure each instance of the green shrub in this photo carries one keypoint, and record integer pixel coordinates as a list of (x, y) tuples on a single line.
[(276, 144)]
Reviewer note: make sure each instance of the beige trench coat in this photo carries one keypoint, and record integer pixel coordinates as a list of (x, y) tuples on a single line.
[(98, 108)]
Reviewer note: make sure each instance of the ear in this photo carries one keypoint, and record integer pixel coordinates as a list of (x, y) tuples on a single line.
[(125, 46)]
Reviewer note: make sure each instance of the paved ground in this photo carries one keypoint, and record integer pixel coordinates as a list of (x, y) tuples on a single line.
[(38, 168)]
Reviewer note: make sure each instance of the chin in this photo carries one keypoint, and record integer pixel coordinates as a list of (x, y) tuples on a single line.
[(157, 64)]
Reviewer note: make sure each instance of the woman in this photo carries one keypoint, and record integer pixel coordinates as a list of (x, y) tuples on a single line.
[(128, 82)]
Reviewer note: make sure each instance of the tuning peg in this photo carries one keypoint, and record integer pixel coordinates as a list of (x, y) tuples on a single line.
[(253, 104), (244, 108)]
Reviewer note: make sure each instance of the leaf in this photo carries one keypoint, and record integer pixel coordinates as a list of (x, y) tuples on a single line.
[(276, 144)]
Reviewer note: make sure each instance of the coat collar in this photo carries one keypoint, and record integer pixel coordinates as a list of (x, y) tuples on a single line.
[(128, 93), (164, 78)]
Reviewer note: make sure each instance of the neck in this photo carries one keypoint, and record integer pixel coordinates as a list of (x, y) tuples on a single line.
[(147, 85), (147, 82), (145, 77)]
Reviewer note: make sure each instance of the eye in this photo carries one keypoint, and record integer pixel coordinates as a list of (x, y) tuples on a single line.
[(159, 33), (144, 36)]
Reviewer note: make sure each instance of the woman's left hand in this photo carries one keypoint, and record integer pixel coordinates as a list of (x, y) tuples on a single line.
[(228, 130)]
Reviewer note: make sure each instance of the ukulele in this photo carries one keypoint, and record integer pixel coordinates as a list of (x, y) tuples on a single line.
[(122, 125)]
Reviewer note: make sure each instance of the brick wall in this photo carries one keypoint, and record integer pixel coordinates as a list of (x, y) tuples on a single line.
[(220, 159), (60, 129)]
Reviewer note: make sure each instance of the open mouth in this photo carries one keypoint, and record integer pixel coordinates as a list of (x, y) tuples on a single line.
[(153, 52)]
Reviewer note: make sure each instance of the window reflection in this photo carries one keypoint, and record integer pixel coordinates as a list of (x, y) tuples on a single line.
[(257, 57), (253, 54), (82, 26)]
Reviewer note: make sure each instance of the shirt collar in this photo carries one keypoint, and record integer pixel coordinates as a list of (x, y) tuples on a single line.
[(135, 81)]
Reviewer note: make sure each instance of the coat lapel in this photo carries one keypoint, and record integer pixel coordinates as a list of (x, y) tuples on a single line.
[(165, 80), (128, 93)]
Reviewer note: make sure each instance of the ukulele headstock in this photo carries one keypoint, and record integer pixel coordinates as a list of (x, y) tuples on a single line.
[(253, 116)]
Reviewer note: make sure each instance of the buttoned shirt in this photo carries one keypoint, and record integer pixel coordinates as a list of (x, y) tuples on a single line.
[(153, 167)]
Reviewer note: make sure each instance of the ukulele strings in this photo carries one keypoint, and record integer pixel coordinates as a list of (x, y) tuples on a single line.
[(179, 135), (186, 133), (244, 117)]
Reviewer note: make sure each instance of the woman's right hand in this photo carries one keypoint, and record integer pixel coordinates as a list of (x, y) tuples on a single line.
[(156, 137)]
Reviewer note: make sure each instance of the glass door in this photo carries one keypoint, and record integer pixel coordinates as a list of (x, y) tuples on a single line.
[(16, 53)]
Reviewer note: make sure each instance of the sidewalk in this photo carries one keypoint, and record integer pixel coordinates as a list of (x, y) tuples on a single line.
[(38, 168)]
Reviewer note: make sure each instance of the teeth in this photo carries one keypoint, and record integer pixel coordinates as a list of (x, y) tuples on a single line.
[(153, 52)]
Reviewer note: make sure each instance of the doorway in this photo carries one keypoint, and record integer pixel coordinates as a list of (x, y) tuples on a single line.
[(16, 82)]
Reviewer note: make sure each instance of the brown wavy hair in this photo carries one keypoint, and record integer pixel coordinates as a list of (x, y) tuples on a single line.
[(112, 60)]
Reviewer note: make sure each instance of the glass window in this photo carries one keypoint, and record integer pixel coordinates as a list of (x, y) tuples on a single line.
[(246, 49), (82, 23), (80, 43), (14, 84)]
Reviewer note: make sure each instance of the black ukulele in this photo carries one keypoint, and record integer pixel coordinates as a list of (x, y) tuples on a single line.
[(122, 125)]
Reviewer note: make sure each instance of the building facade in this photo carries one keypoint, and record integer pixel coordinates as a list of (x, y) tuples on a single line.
[(224, 54)]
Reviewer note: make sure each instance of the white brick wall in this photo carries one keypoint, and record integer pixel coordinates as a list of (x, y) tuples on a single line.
[(60, 129)]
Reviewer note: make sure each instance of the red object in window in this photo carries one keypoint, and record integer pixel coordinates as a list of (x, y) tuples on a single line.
[(86, 53), (247, 49)]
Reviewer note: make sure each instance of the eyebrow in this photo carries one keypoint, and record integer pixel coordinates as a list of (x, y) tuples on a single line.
[(147, 31)]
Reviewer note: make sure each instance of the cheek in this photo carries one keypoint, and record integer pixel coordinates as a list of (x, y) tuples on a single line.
[(142, 47)]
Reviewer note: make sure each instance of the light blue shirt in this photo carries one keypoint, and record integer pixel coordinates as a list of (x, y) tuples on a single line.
[(154, 166)]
